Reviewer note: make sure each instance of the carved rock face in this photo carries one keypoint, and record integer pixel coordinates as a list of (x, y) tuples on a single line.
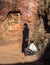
[(27, 8), (11, 27)]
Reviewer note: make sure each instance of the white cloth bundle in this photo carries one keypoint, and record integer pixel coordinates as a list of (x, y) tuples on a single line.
[(33, 47)]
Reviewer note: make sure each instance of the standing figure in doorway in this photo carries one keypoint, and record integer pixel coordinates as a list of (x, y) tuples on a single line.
[(25, 37)]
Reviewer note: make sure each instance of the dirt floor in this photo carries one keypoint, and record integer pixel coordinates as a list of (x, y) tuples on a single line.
[(11, 53)]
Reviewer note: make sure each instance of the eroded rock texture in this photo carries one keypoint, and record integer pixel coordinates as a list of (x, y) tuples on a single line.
[(42, 25), (29, 14), (27, 9), (11, 28), (38, 21)]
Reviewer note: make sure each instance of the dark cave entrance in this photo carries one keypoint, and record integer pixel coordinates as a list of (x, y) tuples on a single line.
[(45, 19), (46, 26)]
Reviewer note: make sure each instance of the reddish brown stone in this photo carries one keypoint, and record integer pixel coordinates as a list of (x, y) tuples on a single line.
[(27, 8)]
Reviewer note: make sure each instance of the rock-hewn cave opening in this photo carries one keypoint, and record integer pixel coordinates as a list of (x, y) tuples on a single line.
[(45, 21), (46, 26), (44, 12)]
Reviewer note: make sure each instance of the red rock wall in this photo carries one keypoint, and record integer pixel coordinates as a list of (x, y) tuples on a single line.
[(27, 8)]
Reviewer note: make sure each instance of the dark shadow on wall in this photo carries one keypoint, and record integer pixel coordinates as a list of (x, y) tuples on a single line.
[(45, 19), (44, 60), (13, 12), (46, 56)]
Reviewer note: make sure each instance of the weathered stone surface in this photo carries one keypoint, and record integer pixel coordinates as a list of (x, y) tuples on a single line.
[(29, 15), (42, 26), (27, 8), (10, 38)]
